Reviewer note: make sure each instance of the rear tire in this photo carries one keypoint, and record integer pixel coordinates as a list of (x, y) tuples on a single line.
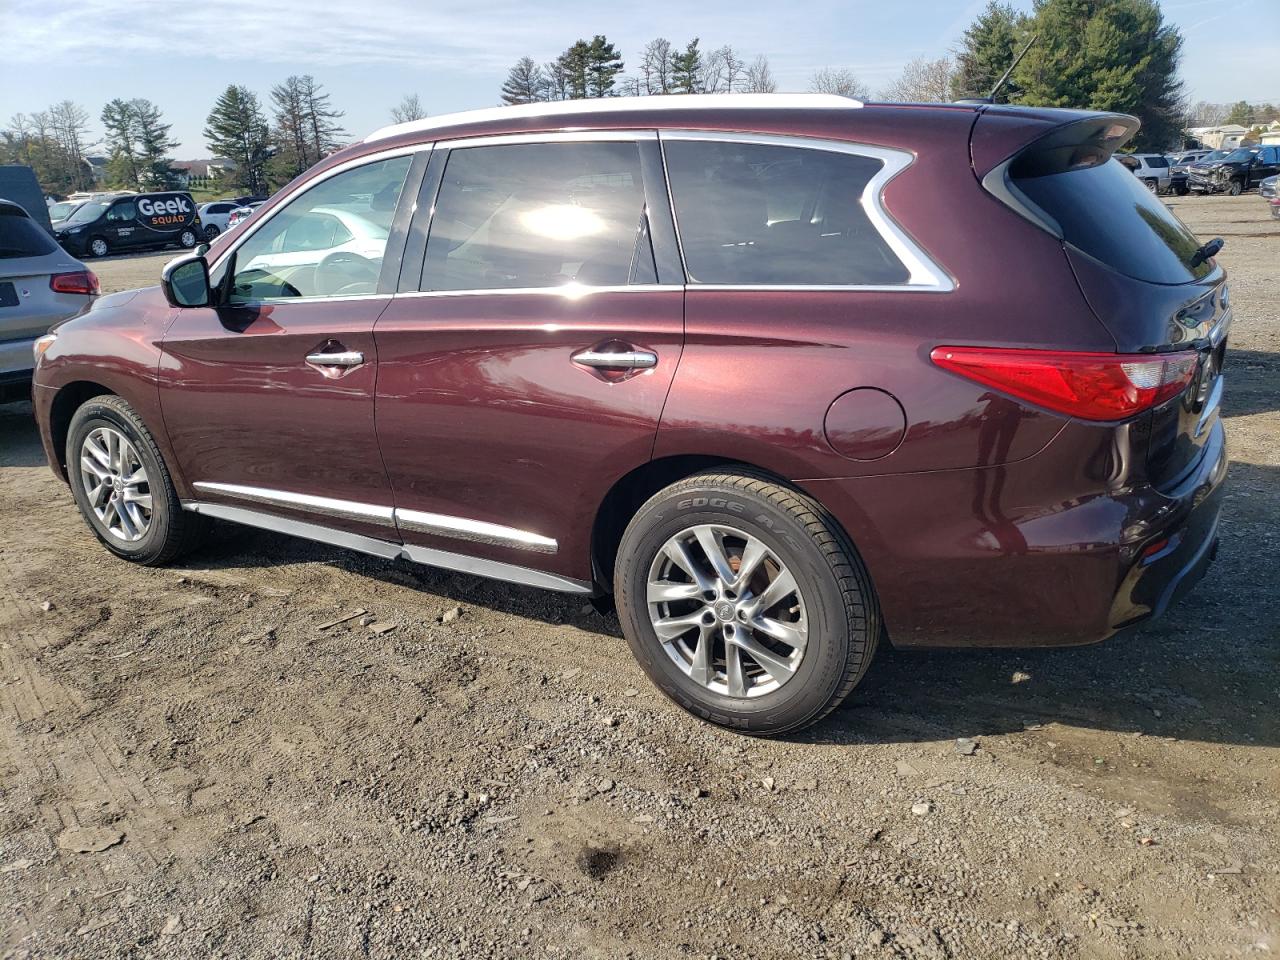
[(210, 232), (187, 238), (749, 679), (156, 529)]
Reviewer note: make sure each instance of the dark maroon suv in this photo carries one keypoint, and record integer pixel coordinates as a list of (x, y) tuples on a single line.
[(780, 374)]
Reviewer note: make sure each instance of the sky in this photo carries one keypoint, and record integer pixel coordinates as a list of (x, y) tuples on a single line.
[(455, 53)]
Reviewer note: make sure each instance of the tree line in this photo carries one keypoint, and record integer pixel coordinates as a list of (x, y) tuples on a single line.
[(1113, 55)]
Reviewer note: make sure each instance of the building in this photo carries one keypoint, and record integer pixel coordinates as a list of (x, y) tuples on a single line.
[(1224, 137)]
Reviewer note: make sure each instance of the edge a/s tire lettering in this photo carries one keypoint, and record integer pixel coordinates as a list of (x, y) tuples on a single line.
[(715, 502)]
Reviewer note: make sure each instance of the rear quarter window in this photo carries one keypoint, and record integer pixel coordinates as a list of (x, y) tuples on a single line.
[(23, 237), (760, 214)]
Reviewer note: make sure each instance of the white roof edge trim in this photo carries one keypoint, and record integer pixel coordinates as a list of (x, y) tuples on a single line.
[(672, 102)]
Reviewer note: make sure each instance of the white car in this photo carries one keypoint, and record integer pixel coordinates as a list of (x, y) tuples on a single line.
[(331, 251), (214, 216), (1151, 168)]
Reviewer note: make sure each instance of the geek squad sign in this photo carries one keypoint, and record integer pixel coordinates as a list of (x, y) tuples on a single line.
[(165, 213)]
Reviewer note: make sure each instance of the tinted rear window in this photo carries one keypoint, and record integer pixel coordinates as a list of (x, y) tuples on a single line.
[(1111, 215), (755, 214), (1157, 161), (23, 237)]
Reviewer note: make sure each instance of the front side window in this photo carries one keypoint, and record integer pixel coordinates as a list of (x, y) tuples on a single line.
[(513, 216), (122, 211), (329, 241), (761, 214)]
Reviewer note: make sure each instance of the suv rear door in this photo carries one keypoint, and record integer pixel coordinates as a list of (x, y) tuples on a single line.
[(524, 364)]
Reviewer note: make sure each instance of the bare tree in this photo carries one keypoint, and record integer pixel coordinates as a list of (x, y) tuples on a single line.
[(759, 78), (410, 108), (839, 80), (69, 124), (630, 87), (1205, 114), (723, 71), (655, 67), (556, 78), (922, 81)]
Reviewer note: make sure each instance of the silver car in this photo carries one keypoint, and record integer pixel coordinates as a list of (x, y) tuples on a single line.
[(40, 284)]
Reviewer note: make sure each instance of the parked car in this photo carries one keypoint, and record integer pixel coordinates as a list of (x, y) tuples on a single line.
[(214, 216), (802, 425), (133, 222), (1269, 190), (1151, 168), (1180, 165), (39, 285), (1238, 171), (243, 213), (58, 212)]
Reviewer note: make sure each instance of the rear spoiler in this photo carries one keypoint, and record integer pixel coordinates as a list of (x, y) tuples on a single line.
[(1087, 141)]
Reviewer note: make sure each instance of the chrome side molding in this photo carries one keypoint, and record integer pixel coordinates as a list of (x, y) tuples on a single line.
[(437, 524), (326, 506), (494, 569), (476, 531)]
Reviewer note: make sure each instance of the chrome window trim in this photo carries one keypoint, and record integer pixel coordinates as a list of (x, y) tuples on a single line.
[(567, 291), (256, 224), (477, 531), (327, 506), (923, 273), (550, 136)]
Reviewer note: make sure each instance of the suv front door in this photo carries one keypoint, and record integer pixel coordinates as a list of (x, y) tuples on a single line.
[(268, 396), (524, 365)]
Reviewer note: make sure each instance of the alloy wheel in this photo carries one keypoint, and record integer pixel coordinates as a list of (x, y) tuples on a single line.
[(727, 610), (115, 483)]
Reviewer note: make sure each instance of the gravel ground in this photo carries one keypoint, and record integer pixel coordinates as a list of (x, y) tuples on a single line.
[(193, 765)]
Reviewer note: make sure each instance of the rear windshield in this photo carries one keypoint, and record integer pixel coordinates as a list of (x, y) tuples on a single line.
[(23, 237), (1114, 217)]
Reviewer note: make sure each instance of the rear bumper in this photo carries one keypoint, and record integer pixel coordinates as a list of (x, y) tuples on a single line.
[(1055, 550), (17, 359)]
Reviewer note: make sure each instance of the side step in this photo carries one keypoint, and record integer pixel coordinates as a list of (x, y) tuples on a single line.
[(494, 569)]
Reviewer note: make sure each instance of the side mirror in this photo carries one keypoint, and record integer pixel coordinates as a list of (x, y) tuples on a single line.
[(185, 281), (201, 250)]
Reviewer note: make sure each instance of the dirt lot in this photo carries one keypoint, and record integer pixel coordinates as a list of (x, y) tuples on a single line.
[(495, 777)]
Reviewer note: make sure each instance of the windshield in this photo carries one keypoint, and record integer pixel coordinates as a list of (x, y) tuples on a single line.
[(1212, 157), (60, 211), (1241, 154), (89, 212), (1109, 214)]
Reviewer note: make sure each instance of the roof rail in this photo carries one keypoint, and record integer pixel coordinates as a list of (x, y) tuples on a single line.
[(673, 102)]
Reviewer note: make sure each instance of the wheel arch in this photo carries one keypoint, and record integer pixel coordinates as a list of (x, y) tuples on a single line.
[(630, 491), (69, 398)]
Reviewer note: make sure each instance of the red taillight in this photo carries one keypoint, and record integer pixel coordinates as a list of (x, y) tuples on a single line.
[(82, 281), (1090, 386)]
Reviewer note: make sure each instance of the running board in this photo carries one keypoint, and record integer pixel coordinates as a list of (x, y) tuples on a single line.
[(494, 569)]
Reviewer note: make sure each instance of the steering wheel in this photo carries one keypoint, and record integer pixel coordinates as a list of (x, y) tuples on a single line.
[(343, 272)]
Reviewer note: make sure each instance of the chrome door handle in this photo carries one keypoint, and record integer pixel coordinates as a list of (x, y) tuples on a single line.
[(344, 358), (626, 360)]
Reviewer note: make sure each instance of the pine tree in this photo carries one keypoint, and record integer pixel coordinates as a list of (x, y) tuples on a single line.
[(237, 130), (324, 131), (686, 69), (604, 63), (525, 83), (1114, 55), (989, 46), (575, 64), (121, 135), (289, 131), (155, 144)]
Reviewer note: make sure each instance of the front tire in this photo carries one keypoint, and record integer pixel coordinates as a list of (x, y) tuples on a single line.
[(98, 247), (1236, 188), (745, 602), (122, 486)]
